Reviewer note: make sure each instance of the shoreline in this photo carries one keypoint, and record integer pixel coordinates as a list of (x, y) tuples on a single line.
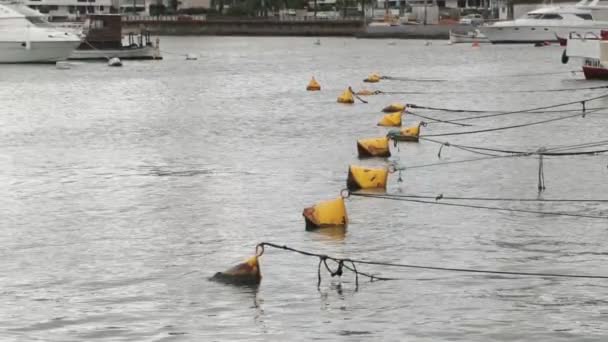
[(296, 28)]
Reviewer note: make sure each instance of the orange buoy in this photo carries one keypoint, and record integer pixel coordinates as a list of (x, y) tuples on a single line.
[(326, 214), (360, 177), (245, 273), (394, 107), (313, 85), (373, 147), (346, 97), (391, 120), (411, 133)]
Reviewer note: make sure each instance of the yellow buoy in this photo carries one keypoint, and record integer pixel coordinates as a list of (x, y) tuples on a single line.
[(366, 178), (395, 107), (246, 273), (313, 85), (391, 120), (373, 147), (346, 97), (411, 133), (373, 78), (326, 214)]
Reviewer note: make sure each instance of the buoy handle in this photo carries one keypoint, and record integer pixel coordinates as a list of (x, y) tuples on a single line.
[(259, 250)]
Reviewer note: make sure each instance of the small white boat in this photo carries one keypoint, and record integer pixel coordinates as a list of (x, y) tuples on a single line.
[(591, 50), (468, 37), (26, 37)]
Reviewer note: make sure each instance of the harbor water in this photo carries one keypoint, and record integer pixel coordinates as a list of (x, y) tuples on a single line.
[(122, 190)]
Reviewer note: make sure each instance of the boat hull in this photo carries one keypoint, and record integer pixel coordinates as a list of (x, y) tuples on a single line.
[(528, 34), (38, 52), (457, 38), (595, 73), (146, 52)]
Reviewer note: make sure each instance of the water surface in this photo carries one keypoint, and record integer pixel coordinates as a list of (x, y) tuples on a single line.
[(124, 189)]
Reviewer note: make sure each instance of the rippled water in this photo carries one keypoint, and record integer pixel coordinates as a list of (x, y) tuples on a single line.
[(124, 189)]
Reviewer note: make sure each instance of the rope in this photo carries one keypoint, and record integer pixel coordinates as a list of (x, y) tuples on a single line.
[(462, 161), (397, 78), (489, 92), (435, 120), (527, 211), (541, 171), (504, 127), (544, 152), (498, 199), (495, 113), (353, 262), (355, 95)]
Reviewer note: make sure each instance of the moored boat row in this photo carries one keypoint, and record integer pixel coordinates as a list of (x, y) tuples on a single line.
[(27, 37)]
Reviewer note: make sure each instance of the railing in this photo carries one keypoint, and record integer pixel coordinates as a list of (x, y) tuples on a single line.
[(199, 18), (164, 18)]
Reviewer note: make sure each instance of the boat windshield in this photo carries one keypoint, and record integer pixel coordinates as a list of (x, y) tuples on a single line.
[(551, 16), (533, 16), (585, 16), (38, 21)]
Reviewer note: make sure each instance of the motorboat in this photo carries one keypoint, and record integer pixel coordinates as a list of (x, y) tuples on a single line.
[(104, 41), (543, 25), (26, 37), (592, 50), (467, 37)]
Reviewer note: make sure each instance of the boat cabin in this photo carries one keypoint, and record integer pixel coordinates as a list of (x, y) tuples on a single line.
[(104, 32)]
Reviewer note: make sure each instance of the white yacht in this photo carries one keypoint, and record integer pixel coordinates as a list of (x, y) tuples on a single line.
[(26, 37), (543, 25)]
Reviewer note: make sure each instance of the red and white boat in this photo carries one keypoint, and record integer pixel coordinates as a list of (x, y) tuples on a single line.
[(592, 50)]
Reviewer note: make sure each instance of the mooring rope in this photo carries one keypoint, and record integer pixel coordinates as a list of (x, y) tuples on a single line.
[(545, 152), (509, 127), (527, 91), (350, 264), (527, 211), (401, 78), (499, 113), (461, 161), (435, 120), (496, 199)]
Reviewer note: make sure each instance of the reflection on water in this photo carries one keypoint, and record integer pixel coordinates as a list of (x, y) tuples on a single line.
[(332, 233)]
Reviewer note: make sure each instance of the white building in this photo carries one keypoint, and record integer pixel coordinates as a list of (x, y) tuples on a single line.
[(186, 4), (69, 9)]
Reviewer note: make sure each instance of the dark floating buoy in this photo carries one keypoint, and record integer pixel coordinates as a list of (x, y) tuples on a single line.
[(246, 273)]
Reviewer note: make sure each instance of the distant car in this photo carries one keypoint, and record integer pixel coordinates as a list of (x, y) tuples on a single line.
[(472, 19)]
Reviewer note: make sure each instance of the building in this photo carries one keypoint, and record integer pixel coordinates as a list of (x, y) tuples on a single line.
[(70, 9), (191, 4)]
